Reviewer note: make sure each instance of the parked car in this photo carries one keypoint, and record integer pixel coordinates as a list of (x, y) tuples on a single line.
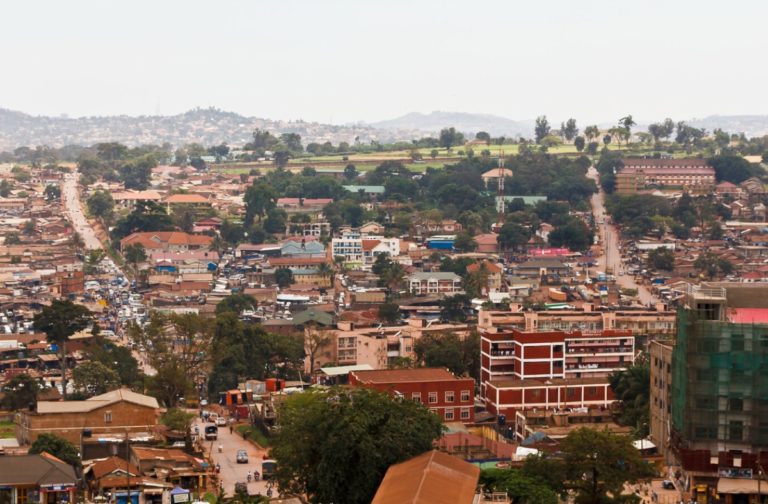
[(668, 485), (241, 487), (242, 457), (221, 422)]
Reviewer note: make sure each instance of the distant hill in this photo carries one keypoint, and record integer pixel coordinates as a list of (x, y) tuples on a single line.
[(206, 126), (464, 122), (750, 125)]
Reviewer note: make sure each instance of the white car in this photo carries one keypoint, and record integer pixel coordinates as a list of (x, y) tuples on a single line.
[(221, 422)]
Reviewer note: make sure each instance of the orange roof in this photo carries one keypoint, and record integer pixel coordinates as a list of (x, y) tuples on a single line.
[(370, 244), (432, 478), (159, 239), (186, 198), (285, 261)]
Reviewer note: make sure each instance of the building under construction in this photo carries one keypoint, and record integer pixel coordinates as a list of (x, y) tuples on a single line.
[(718, 402)]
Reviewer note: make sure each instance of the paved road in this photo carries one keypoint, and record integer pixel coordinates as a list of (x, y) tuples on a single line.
[(75, 212), (611, 253), (231, 471)]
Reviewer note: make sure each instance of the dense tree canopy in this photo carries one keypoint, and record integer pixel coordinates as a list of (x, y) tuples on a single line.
[(335, 445), (56, 446)]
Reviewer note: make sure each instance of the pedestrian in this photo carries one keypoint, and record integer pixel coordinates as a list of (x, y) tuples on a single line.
[(231, 429)]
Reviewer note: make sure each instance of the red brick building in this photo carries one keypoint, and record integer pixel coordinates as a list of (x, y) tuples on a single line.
[(553, 369), (450, 397)]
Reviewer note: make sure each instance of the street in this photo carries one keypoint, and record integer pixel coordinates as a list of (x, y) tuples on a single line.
[(611, 252), (75, 211), (231, 471)]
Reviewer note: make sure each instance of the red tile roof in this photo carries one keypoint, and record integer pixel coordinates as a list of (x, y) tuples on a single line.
[(748, 315), (369, 245), (160, 239), (186, 198)]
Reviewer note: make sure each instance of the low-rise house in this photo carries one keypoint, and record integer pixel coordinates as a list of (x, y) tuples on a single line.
[(128, 199), (430, 478), (114, 412), (300, 205), (176, 241), (172, 465), (42, 479), (494, 272), (435, 282)]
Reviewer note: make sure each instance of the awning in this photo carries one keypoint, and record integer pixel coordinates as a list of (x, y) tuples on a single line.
[(741, 486), (643, 444)]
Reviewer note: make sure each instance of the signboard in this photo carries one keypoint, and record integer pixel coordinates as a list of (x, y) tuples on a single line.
[(548, 252), (734, 472)]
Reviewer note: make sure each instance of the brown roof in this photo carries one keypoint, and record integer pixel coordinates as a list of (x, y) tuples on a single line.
[(665, 163), (431, 478), (284, 261), (43, 469), (489, 267), (96, 402), (404, 375), (530, 383), (370, 244), (111, 465)]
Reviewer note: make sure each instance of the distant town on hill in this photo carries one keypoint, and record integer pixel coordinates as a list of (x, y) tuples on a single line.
[(211, 126)]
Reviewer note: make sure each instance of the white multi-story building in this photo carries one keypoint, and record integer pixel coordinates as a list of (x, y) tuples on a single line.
[(356, 248)]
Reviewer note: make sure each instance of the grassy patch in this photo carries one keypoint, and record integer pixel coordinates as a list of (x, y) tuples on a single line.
[(254, 434), (7, 430)]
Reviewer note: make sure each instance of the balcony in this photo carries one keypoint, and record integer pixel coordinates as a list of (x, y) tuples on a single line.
[(594, 366)]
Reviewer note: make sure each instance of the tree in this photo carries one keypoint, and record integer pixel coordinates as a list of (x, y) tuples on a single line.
[(542, 128), (626, 124), (100, 204), (59, 321), (335, 445), (5, 188), (292, 141), (592, 132), (177, 419), (94, 378), (56, 446), (314, 340), (448, 350), (569, 129), (513, 236), (433, 153), (389, 313), (259, 199), (135, 254), (521, 488), (146, 216), (52, 192), (20, 392), (574, 234), (236, 303), (181, 353), (734, 169), (607, 139), (283, 277), (450, 137), (281, 156), (632, 387), (12, 238), (465, 242), (709, 264), (661, 259), (483, 136), (579, 143), (454, 308), (609, 462), (116, 357), (350, 172)]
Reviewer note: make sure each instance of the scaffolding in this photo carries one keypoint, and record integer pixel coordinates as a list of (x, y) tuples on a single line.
[(720, 383)]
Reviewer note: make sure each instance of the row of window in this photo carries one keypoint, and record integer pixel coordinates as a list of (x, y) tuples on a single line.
[(449, 414), (449, 396)]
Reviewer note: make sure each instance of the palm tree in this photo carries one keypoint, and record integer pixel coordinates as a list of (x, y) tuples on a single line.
[(325, 271)]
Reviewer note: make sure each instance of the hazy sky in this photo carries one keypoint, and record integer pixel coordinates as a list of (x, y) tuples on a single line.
[(340, 61)]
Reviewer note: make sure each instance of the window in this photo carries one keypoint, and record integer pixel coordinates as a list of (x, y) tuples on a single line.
[(735, 404), (735, 430), (465, 396), (592, 391), (108, 417), (432, 397), (571, 393), (737, 342), (449, 414), (558, 348), (464, 414), (449, 396), (416, 397), (704, 432)]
